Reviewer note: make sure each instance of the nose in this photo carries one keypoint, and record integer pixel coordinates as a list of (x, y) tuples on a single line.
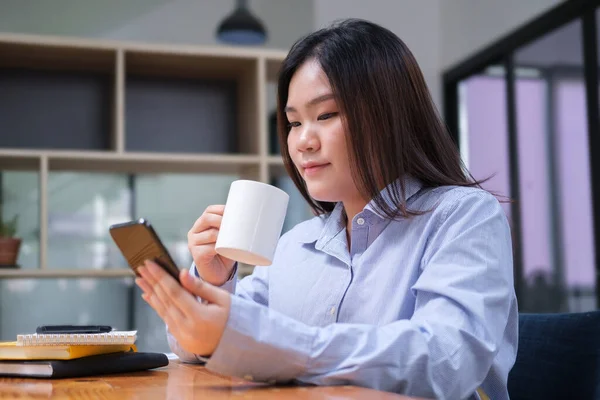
[(308, 141)]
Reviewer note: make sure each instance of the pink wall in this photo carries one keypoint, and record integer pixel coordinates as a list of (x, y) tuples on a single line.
[(485, 101), (534, 182), (487, 130), (574, 180)]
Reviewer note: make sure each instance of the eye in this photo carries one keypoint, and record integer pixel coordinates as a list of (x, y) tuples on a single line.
[(293, 124), (325, 116)]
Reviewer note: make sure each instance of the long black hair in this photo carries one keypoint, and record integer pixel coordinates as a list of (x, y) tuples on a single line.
[(392, 125)]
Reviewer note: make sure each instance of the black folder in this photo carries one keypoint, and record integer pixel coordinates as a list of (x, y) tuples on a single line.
[(113, 363)]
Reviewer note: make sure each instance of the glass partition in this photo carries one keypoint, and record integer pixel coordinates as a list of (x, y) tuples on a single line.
[(555, 186)]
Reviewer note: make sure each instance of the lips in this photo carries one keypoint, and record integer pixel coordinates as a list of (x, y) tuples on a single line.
[(311, 168)]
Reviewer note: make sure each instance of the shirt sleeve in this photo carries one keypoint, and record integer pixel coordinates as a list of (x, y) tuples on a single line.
[(464, 302), (254, 287)]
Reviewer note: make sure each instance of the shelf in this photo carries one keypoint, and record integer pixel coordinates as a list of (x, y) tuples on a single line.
[(276, 166), (190, 102), (232, 52), (56, 109), (132, 162), (185, 65), (273, 65), (275, 161), (181, 115), (64, 273), (89, 105), (20, 160), (55, 55), (56, 96)]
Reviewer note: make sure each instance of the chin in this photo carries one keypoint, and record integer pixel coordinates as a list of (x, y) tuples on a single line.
[(322, 192)]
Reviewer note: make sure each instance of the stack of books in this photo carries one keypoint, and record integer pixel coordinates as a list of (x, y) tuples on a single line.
[(75, 354)]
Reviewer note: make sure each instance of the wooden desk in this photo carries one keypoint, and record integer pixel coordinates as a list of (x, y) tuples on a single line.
[(176, 381)]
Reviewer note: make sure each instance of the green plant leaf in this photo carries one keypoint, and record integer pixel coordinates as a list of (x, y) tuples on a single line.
[(9, 228)]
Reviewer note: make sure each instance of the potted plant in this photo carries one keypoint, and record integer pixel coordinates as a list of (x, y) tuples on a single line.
[(9, 243)]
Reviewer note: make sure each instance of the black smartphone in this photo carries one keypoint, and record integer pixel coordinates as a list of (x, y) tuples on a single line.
[(47, 329), (138, 242)]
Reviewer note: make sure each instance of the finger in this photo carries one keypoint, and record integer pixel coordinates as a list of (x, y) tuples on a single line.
[(147, 295), (150, 294), (216, 209), (171, 293), (142, 284), (208, 219), (154, 302), (207, 251), (153, 275), (205, 237), (171, 316), (147, 276), (161, 310), (205, 290), (182, 276)]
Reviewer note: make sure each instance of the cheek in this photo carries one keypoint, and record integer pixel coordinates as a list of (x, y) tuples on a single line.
[(337, 145), (291, 146)]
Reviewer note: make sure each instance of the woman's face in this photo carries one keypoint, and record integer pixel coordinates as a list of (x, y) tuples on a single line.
[(316, 139)]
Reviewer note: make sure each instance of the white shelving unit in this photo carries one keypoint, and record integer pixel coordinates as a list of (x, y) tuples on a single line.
[(249, 68)]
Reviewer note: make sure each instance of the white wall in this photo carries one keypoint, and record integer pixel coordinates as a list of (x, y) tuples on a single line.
[(86, 18), (470, 25), (561, 47), (193, 21), (181, 21), (439, 32), (416, 22)]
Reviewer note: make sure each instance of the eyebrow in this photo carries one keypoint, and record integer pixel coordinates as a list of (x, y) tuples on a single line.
[(313, 102)]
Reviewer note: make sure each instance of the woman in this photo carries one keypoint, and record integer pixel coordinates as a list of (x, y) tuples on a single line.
[(403, 282)]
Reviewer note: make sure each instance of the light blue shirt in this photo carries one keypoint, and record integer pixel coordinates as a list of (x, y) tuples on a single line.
[(422, 306)]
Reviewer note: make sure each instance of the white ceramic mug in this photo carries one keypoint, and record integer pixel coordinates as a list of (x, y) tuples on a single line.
[(252, 222)]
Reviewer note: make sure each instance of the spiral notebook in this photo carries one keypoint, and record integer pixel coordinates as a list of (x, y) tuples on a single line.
[(114, 337)]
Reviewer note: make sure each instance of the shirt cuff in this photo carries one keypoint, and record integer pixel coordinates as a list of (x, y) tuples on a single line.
[(184, 356), (229, 284), (254, 337)]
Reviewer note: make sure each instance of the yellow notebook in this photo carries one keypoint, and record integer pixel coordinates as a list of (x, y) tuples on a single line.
[(12, 351)]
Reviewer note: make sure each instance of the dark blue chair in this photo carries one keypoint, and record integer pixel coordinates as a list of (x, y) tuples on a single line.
[(558, 357)]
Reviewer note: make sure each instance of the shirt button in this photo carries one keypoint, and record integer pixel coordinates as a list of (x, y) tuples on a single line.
[(332, 310), (360, 221)]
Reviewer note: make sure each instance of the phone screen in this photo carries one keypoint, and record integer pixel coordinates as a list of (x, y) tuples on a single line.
[(138, 242)]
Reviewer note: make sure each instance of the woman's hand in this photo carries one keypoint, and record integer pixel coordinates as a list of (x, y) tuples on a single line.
[(212, 267), (197, 326)]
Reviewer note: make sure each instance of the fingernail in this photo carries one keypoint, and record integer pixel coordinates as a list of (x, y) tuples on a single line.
[(191, 278), (150, 265)]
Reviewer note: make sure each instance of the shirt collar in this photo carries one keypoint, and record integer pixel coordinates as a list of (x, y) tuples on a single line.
[(333, 222), (411, 187), (330, 222)]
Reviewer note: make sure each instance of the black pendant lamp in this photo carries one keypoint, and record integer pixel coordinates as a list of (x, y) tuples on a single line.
[(242, 27)]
